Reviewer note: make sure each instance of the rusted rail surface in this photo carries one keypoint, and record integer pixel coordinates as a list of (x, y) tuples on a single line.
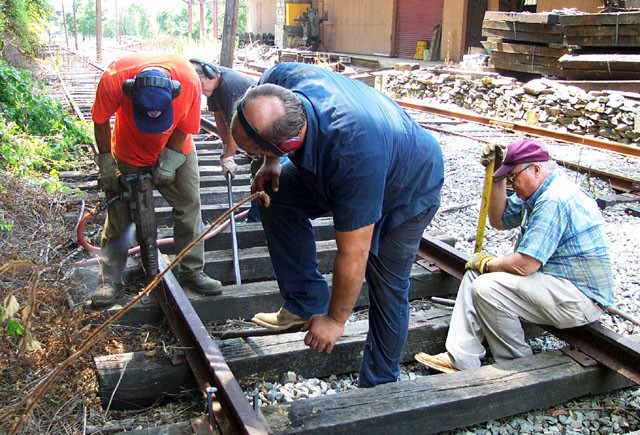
[(206, 361), (528, 129)]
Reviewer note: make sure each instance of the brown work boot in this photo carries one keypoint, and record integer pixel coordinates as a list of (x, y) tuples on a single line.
[(106, 294), (440, 362), (199, 282), (283, 319)]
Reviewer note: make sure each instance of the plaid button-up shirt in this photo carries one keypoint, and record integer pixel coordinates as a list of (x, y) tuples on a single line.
[(561, 226)]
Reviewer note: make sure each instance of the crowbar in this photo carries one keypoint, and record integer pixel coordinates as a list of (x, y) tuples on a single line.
[(234, 239)]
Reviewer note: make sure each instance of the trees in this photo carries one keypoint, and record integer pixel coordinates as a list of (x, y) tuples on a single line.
[(136, 18), (135, 22), (21, 21), (86, 19)]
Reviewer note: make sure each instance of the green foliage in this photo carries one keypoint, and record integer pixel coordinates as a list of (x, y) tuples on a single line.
[(5, 227), (36, 133), (86, 19), (24, 20), (135, 22), (14, 328)]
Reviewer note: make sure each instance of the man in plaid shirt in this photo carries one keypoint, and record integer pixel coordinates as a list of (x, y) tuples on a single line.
[(560, 273)]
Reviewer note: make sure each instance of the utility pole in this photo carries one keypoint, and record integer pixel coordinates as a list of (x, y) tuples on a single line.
[(99, 31), (74, 8), (117, 24), (214, 14), (201, 22), (190, 17), (64, 25), (229, 33)]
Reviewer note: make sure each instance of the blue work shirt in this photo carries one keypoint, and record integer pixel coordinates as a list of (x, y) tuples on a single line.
[(562, 228), (364, 158)]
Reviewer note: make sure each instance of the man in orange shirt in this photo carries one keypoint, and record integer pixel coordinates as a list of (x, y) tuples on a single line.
[(156, 102)]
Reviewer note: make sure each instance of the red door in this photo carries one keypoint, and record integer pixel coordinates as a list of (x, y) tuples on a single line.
[(415, 22)]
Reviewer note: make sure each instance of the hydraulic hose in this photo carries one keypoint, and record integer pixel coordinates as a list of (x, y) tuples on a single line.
[(102, 206)]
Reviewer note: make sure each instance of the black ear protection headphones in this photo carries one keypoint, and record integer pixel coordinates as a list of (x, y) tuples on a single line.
[(289, 145), (130, 86), (210, 71)]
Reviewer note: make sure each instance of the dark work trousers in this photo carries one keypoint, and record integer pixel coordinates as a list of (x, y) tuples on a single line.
[(292, 248)]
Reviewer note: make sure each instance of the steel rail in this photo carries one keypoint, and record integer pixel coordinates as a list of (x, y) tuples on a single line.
[(616, 181), (607, 347), (528, 129), (206, 360)]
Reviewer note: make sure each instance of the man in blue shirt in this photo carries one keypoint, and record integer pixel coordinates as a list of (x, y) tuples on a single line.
[(560, 273), (356, 154)]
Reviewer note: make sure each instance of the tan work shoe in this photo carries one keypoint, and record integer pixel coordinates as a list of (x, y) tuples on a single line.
[(440, 362), (283, 319)]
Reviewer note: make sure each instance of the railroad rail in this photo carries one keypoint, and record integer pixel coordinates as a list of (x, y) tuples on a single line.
[(571, 145), (214, 362)]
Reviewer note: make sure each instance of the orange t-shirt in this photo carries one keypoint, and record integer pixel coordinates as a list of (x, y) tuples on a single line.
[(127, 142)]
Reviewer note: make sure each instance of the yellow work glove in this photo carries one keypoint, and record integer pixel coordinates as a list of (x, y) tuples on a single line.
[(490, 151), (478, 261)]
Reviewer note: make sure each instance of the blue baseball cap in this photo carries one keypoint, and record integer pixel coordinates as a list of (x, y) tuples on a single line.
[(152, 102)]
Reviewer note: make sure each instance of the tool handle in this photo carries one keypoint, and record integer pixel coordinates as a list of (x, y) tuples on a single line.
[(484, 206)]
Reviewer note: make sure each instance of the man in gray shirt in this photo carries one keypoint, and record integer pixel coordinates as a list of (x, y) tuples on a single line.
[(223, 87)]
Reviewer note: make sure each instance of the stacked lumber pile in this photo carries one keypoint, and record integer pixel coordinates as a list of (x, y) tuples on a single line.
[(607, 46), (524, 42), (602, 46)]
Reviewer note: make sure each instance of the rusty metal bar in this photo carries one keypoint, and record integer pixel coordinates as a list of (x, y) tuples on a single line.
[(206, 360), (442, 255), (617, 352), (524, 128), (208, 125), (609, 348), (618, 182), (254, 332)]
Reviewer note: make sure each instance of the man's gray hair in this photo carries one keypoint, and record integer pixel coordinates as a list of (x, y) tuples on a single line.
[(290, 123), (549, 165)]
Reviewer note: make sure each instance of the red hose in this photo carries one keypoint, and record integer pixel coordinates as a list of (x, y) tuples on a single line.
[(161, 242)]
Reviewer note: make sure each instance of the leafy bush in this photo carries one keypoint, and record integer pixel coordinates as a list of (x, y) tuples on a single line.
[(23, 20), (36, 133)]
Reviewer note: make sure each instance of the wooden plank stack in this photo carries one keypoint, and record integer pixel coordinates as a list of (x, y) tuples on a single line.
[(621, 29), (524, 42), (607, 46), (602, 46)]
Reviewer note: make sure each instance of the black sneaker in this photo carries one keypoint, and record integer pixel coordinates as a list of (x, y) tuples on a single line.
[(199, 282)]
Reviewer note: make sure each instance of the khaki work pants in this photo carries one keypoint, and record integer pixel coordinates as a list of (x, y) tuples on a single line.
[(492, 306), (183, 195)]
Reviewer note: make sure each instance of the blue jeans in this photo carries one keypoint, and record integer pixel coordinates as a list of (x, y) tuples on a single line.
[(305, 291)]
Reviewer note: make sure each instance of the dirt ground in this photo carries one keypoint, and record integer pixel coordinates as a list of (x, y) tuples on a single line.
[(37, 257)]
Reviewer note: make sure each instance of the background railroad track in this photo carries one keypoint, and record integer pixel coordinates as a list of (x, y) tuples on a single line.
[(430, 404)]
